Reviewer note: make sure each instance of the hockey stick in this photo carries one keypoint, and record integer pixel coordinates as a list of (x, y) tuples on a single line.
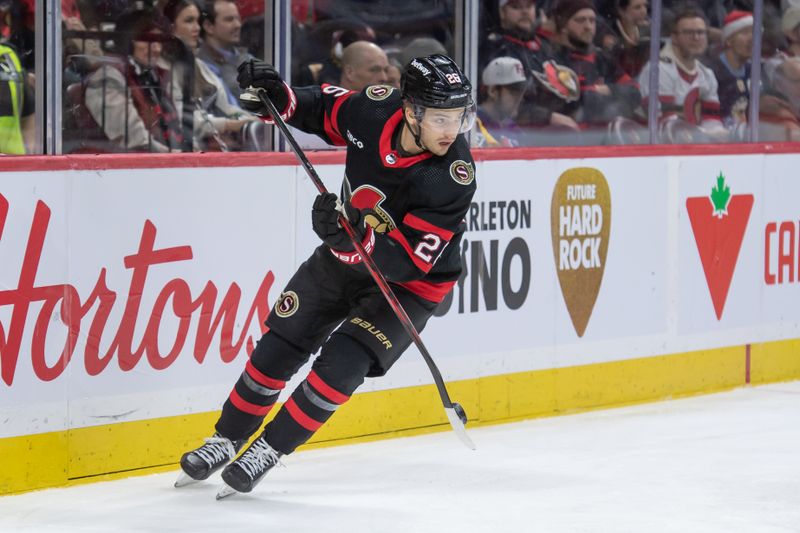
[(455, 413)]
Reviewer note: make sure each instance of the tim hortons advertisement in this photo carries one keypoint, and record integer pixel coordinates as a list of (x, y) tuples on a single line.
[(141, 283)]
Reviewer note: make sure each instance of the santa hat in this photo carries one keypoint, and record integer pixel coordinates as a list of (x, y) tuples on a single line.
[(735, 21)]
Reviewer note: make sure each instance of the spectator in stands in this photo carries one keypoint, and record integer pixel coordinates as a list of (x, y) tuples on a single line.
[(687, 89), (421, 47), (790, 24), (732, 68), (779, 117), (17, 129), (332, 36), (16, 30), (222, 29), (129, 99), (217, 123), (517, 37), (606, 91), (627, 36), (394, 73), (363, 64), (503, 86)]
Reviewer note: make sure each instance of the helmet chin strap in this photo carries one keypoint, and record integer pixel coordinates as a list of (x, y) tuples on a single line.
[(416, 134)]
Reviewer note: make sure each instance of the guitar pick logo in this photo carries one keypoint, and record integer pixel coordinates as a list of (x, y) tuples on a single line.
[(580, 225), (718, 223)]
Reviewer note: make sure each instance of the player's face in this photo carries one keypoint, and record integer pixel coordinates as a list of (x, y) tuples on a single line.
[(439, 128)]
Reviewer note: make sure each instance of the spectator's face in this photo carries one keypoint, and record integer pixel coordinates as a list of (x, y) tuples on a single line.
[(789, 84), (507, 99), (393, 76), (371, 69), (741, 43), (635, 13), (690, 37), (187, 26), (146, 53), (582, 26), (518, 15), (227, 27)]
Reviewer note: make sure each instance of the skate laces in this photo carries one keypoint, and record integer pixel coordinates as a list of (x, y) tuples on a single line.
[(216, 449), (258, 458)]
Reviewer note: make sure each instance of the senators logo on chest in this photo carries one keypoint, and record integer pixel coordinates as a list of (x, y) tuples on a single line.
[(462, 172)]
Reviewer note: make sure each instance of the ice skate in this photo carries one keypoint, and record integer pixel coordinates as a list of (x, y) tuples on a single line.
[(246, 471), (199, 464)]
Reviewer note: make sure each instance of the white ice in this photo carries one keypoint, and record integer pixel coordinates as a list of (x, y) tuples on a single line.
[(728, 463)]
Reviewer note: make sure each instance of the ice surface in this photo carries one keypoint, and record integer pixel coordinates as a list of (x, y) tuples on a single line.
[(728, 463)]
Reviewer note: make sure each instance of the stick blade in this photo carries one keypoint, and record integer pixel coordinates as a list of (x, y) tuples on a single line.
[(458, 426)]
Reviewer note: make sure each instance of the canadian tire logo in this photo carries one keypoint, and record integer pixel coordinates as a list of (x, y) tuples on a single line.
[(718, 223), (580, 226)]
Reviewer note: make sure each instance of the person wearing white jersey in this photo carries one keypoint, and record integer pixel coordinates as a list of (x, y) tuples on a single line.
[(687, 89)]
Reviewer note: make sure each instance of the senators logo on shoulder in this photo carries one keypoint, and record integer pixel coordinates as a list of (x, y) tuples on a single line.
[(287, 304), (379, 92)]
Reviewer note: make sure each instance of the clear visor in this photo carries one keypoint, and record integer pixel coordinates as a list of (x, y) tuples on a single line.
[(456, 120)]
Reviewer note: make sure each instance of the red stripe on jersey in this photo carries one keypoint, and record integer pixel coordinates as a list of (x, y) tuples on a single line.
[(389, 157), (433, 292), (263, 379), (398, 236), (331, 121), (249, 408), (326, 390), (423, 225), (300, 417), (335, 111)]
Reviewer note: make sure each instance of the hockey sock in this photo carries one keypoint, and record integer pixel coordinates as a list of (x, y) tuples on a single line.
[(336, 374), (271, 364)]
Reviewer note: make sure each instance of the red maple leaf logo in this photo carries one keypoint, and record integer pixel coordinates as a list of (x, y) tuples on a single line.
[(719, 223)]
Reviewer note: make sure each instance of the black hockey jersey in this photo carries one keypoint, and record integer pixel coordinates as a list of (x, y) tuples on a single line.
[(415, 206)]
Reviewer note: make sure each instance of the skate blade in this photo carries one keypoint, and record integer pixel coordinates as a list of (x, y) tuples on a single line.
[(184, 479), (225, 491)]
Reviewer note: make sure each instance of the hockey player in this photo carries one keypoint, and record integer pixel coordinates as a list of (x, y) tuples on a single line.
[(409, 180)]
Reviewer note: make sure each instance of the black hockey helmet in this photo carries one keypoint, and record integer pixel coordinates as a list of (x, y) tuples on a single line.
[(436, 81)]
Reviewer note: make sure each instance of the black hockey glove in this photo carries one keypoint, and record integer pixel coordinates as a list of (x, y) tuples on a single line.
[(325, 221), (261, 75)]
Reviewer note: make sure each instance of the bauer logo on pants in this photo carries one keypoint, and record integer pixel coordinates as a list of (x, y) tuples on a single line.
[(580, 225), (287, 304)]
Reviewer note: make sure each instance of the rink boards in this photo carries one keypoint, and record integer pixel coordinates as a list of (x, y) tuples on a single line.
[(131, 289)]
